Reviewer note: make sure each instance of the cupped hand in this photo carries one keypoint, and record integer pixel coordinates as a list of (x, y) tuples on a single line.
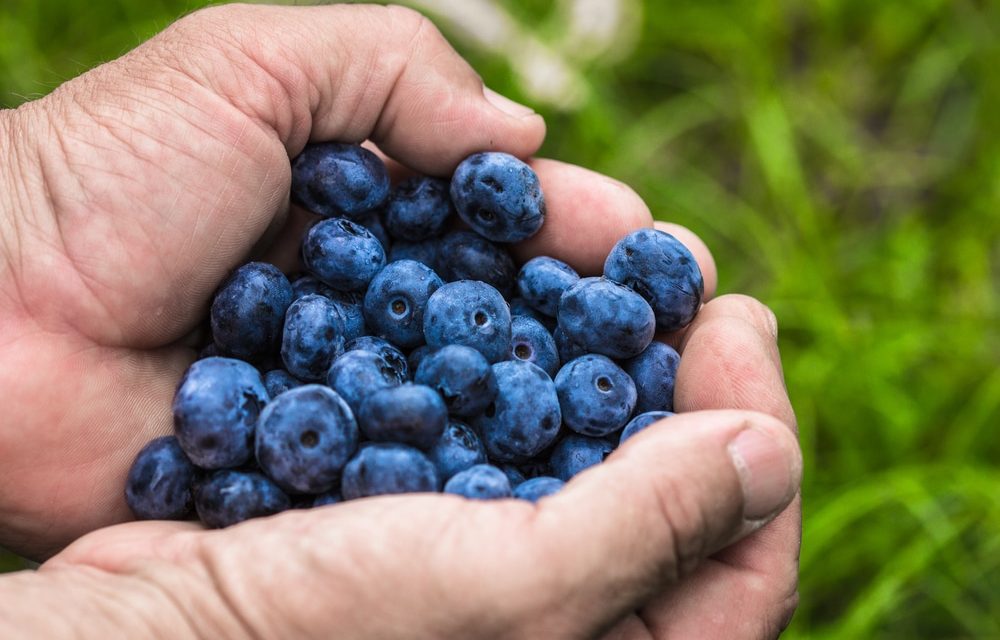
[(131, 192), (638, 547)]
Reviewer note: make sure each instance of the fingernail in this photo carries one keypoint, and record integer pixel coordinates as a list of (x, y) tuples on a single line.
[(768, 472), (507, 105)]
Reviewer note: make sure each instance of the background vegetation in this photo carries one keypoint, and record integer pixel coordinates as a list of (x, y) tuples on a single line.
[(842, 158)]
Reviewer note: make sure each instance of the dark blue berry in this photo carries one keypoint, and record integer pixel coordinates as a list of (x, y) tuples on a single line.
[(417, 356), (654, 371), (542, 281), (465, 255), (396, 299), (481, 482), (574, 453), (472, 314), (411, 414), (531, 342), (158, 486), (372, 220), (357, 374), (463, 378), (660, 268), (425, 252), (418, 209), (334, 179), (642, 421), (567, 347), (342, 254), (382, 468), (215, 411), (330, 497), (458, 449), (384, 348), (525, 417), (604, 317), (249, 309), (537, 488), (596, 396), (228, 497), (499, 196), (314, 337), (514, 475), (278, 381), (520, 307), (304, 439)]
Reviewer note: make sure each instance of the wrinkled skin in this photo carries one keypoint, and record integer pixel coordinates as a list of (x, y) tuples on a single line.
[(131, 192)]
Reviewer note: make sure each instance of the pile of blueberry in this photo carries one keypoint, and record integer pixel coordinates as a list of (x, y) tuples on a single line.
[(414, 355)]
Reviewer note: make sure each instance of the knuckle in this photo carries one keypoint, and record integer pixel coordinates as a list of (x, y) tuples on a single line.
[(758, 314), (683, 523)]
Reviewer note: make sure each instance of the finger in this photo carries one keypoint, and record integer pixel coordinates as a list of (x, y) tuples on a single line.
[(732, 342), (586, 214), (660, 505), (353, 73)]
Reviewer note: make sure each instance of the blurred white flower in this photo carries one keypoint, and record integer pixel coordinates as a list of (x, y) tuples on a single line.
[(549, 71)]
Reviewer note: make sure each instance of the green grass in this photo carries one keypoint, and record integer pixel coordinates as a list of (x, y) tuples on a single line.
[(842, 158)]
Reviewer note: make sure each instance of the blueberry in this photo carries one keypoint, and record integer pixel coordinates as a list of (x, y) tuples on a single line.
[(372, 220), (458, 449), (307, 284), (210, 350), (462, 376), (604, 317), (472, 314), (278, 381), (525, 418), (215, 410), (159, 483), (334, 179), (642, 421), (542, 281), (393, 356), (465, 255), (249, 309), (343, 254), (660, 268), (537, 488), (411, 414), (532, 342), (357, 374), (481, 482), (537, 467), (654, 371), (348, 303), (567, 347), (520, 307), (499, 196), (314, 337), (330, 497), (425, 252), (382, 468), (595, 395), (396, 299), (417, 356), (228, 497), (575, 453), (418, 209), (304, 439), (514, 475)]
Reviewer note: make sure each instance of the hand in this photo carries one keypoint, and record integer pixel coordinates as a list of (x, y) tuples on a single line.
[(137, 187), (634, 548)]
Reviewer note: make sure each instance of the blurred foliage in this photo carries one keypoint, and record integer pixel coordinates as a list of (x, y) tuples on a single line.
[(842, 159)]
